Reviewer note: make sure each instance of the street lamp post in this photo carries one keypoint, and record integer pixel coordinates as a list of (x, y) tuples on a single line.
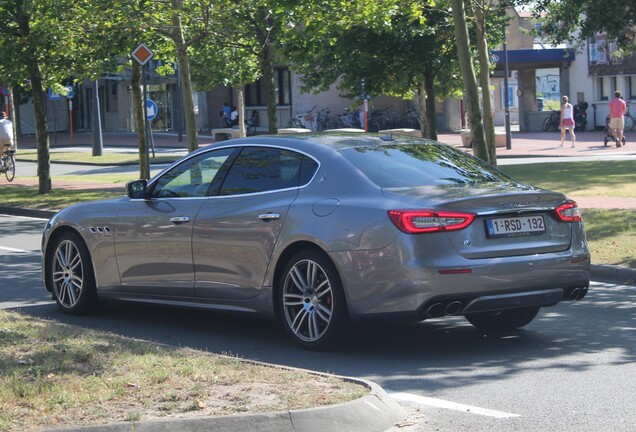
[(506, 98)]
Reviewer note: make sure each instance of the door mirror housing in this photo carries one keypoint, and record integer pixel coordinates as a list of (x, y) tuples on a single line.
[(137, 189)]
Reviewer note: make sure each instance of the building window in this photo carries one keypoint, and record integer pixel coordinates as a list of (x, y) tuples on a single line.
[(602, 88), (631, 87), (593, 51), (255, 92), (601, 49)]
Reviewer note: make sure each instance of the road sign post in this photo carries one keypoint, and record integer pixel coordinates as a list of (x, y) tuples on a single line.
[(142, 54), (151, 113)]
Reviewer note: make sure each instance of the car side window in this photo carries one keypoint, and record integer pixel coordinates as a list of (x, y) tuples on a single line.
[(261, 169), (193, 177)]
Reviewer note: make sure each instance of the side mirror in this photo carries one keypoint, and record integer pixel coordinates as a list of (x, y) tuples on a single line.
[(137, 189)]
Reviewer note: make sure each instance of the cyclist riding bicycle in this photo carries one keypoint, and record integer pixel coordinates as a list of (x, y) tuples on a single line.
[(7, 162), (6, 131)]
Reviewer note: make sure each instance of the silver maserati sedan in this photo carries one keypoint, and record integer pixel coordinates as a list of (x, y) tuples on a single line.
[(320, 229)]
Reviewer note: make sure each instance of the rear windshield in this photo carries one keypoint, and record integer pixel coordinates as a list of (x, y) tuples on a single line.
[(412, 165)]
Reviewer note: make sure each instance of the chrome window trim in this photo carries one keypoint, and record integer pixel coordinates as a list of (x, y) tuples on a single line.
[(191, 155)]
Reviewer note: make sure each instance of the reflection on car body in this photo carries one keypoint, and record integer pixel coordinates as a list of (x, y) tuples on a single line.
[(316, 230)]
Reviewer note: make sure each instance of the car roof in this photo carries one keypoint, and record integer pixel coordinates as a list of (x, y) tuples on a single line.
[(337, 142)]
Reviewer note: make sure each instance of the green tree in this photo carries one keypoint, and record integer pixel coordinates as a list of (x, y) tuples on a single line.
[(37, 48), (575, 21), (247, 31), (403, 49), (470, 81)]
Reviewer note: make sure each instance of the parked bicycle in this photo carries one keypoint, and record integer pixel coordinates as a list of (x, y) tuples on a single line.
[(7, 162), (349, 119), (552, 122), (305, 121)]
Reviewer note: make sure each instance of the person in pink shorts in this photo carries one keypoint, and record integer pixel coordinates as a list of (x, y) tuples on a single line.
[(567, 120), (617, 107)]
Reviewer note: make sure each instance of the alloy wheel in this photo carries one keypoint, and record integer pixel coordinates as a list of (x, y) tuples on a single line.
[(308, 300), (68, 274)]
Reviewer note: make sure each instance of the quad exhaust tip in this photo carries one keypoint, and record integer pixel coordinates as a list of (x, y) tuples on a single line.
[(577, 293), (437, 310)]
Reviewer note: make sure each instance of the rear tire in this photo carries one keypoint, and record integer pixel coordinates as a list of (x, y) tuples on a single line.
[(311, 300), (10, 168), (69, 274), (504, 320)]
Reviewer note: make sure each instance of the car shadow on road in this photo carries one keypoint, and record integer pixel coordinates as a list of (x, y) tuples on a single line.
[(434, 354)]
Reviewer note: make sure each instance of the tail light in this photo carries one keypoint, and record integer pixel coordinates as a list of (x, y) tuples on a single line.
[(429, 221), (569, 212)]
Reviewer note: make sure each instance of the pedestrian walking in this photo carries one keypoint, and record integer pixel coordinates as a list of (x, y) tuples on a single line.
[(567, 120), (618, 108)]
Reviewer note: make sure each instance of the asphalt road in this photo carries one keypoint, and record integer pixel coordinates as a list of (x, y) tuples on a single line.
[(571, 370)]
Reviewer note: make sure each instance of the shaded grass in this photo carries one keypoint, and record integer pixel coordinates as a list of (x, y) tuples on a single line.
[(611, 236), (54, 375), (28, 197)]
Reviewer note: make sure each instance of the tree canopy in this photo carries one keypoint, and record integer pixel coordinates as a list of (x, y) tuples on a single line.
[(574, 21)]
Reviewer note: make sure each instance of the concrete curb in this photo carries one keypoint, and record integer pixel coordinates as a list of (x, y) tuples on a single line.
[(376, 411), (613, 274), (35, 213)]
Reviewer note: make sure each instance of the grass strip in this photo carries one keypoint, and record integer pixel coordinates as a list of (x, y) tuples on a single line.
[(84, 157), (56, 375)]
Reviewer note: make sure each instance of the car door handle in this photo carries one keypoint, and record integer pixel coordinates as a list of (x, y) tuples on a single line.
[(180, 220), (269, 216)]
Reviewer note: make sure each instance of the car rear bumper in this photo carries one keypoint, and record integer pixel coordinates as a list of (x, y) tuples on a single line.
[(383, 284)]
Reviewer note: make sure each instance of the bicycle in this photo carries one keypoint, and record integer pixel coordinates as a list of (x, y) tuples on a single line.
[(552, 122), (7, 161), (305, 121)]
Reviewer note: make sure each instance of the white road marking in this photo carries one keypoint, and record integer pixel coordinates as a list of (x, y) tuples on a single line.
[(440, 403), (14, 250)]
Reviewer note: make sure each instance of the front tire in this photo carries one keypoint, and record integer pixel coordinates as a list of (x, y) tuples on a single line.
[(10, 168), (312, 303), (504, 320), (69, 274)]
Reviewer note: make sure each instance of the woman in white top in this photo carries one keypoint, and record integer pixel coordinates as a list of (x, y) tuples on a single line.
[(567, 120)]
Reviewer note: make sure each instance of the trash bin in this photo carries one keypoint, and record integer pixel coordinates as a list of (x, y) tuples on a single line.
[(539, 104)]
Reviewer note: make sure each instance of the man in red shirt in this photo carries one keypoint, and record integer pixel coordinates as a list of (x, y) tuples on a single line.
[(617, 107)]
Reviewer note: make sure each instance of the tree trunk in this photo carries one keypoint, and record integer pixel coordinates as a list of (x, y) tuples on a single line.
[(41, 129), (267, 70), (429, 83), (470, 82), (139, 119), (184, 70), (241, 109), (425, 128), (484, 81), (15, 111)]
